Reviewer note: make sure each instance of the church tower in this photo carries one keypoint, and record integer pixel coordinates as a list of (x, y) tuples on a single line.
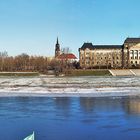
[(57, 49)]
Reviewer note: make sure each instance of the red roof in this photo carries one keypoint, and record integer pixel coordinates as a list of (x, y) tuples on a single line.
[(67, 56)]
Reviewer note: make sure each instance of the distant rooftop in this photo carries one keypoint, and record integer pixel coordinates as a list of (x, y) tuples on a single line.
[(67, 56), (108, 46), (87, 45), (91, 46), (132, 40)]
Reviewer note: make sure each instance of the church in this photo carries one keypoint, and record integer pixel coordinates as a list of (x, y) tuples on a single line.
[(63, 55), (126, 55)]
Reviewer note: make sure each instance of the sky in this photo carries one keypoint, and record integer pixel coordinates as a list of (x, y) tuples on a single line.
[(32, 26)]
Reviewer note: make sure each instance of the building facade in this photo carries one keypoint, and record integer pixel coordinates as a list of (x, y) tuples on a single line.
[(111, 56)]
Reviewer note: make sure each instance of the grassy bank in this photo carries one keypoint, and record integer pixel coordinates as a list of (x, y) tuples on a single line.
[(89, 73), (19, 74)]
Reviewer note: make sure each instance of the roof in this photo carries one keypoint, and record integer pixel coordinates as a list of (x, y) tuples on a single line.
[(132, 40), (67, 56), (91, 46), (108, 46), (87, 45)]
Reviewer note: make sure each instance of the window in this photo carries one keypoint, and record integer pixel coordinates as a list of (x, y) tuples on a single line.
[(136, 52), (87, 58), (131, 62), (88, 62), (131, 52), (87, 54)]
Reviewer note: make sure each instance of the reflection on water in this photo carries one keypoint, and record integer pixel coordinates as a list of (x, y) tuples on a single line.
[(132, 106), (70, 118), (87, 104)]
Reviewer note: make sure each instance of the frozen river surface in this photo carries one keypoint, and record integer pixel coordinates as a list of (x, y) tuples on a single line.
[(65, 118), (69, 86)]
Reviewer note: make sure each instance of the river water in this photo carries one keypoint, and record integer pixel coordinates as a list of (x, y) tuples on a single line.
[(70, 118)]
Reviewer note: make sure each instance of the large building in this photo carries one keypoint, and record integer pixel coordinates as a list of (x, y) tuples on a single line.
[(111, 56)]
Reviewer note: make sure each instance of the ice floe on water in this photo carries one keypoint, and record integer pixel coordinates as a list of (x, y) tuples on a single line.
[(70, 86)]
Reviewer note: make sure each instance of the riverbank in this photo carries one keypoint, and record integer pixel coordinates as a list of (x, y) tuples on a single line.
[(96, 72), (19, 74), (105, 72), (77, 73)]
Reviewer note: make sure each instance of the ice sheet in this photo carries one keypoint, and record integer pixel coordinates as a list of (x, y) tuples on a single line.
[(69, 86)]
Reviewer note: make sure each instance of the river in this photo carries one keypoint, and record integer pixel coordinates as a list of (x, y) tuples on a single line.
[(70, 118)]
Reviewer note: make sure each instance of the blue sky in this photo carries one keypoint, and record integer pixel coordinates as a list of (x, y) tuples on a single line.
[(32, 26)]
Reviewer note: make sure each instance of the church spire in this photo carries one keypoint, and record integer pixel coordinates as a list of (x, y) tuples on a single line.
[(57, 41), (57, 48)]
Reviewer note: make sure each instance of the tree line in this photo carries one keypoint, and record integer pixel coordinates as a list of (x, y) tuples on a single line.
[(25, 62)]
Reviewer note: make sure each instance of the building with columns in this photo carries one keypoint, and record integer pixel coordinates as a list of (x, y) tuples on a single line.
[(111, 56)]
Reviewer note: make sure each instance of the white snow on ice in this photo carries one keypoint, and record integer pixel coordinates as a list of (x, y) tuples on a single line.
[(69, 86)]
